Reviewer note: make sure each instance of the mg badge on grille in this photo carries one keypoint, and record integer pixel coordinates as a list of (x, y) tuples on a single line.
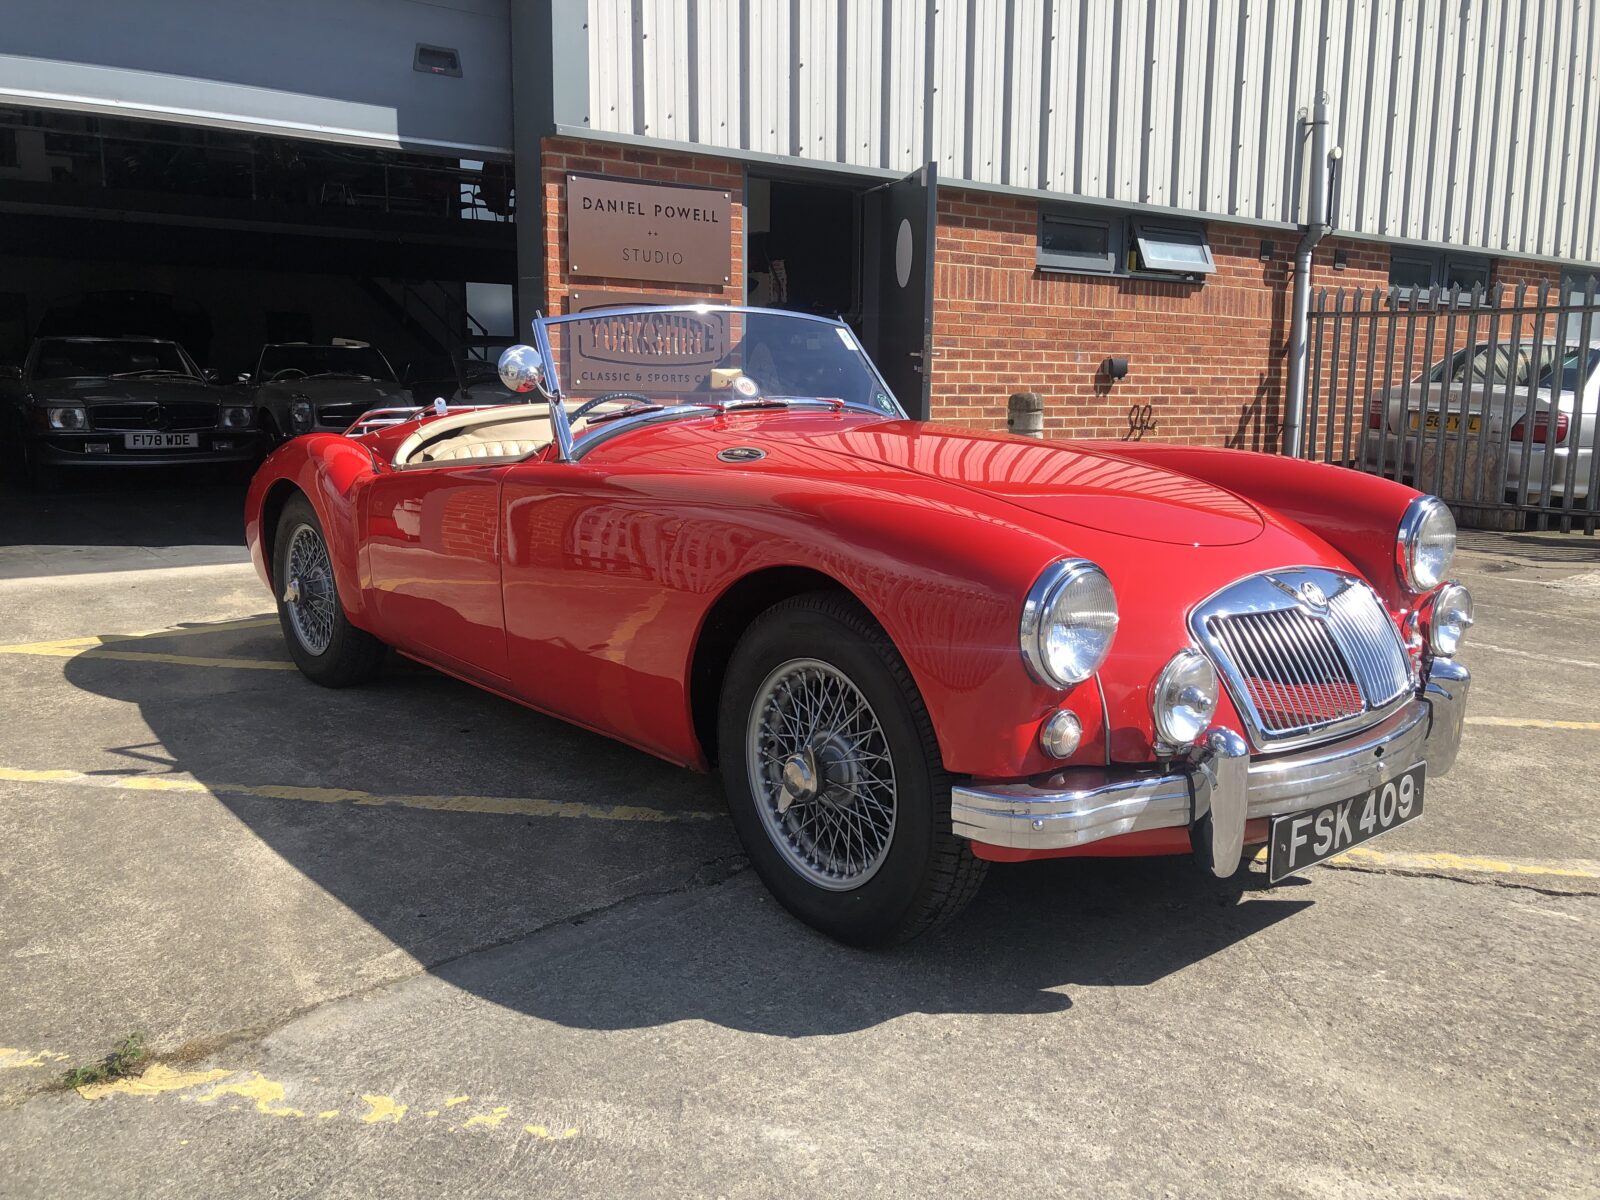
[(1308, 595)]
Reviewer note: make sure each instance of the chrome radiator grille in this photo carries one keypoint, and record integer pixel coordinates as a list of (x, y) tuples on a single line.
[(1304, 651)]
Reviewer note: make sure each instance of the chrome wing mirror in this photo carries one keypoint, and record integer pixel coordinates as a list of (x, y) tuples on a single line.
[(522, 370)]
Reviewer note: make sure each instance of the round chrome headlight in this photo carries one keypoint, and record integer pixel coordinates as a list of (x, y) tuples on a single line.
[(1426, 544), (1184, 699), (1068, 621), (1449, 618)]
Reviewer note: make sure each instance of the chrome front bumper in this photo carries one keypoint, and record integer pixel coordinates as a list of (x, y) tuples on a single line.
[(1221, 787)]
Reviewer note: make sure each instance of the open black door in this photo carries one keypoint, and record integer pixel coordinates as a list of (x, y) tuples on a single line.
[(897, 273)]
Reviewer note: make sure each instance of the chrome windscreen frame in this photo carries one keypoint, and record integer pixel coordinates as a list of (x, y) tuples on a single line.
[(1258, 593)]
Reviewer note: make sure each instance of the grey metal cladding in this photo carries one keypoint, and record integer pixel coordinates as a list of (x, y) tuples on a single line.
[(1463, 122), (336, 70)]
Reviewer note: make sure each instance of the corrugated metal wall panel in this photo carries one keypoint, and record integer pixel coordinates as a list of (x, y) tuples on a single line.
[(1029, 25), (863, 121), (1462, 121), (816, 78), (766, 75), (664, 47), (949, 98), (717, 74), (905, 84)]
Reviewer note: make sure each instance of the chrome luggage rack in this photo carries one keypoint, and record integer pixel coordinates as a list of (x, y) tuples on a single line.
[(384, 418)]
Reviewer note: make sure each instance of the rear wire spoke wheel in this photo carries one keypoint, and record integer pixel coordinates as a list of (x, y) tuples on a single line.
[(833, 775), (326, 647), (308, 592)]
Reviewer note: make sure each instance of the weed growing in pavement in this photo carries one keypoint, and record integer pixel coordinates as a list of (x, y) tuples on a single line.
[(125, 1060)]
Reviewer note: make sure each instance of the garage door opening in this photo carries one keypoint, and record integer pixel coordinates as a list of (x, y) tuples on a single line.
[(229, 241)]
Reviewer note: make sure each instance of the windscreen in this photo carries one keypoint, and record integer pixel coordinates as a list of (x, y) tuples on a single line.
[(304, 362), (61, 358), (687, 356)]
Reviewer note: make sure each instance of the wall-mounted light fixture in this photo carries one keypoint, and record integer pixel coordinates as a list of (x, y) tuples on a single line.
[(1115, 369), (1267, 250), (1340, 260)]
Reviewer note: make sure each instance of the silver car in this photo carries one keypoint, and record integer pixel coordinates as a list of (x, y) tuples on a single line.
[(1482, 394), (300, 387)]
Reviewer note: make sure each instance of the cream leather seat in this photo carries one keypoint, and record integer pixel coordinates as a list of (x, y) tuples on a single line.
[(505, 449), (506, 433)]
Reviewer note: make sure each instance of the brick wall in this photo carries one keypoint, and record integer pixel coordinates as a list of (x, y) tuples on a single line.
[(1207, 362), (563, 155)]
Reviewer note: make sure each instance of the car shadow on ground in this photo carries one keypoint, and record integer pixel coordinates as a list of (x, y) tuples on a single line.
[(635, 922)]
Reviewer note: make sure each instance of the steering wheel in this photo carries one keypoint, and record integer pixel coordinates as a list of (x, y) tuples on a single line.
[(283, 374), (606, 399)]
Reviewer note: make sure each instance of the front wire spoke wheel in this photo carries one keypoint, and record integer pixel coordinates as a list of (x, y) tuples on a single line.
[(821, 774)]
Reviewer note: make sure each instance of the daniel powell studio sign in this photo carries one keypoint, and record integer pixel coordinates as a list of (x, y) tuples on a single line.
[(618, 229)]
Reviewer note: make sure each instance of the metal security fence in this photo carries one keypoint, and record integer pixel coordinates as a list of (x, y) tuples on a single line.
[(1486, 398)]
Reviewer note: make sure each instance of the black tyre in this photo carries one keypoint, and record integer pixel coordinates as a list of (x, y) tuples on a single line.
[(834, 778), (324, 645)]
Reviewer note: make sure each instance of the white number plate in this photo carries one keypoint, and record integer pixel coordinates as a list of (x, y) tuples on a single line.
[(162, 441), (1301, 839)]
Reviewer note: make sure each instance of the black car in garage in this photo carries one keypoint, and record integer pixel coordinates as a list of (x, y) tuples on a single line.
[(119, 401), (300, 387)]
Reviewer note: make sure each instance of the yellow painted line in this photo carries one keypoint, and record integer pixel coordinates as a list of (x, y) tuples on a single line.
[(1441, 860), (1532, 723), (169, 631), (102, 646), (182, 660), (255, 1094), (521, 806), (16, 1059), (157, 1078)]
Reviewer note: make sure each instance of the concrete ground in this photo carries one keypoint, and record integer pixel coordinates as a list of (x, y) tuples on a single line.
[(412, 940)]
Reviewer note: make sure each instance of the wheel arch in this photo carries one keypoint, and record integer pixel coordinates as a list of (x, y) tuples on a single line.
[(272, 505), (725, 622)]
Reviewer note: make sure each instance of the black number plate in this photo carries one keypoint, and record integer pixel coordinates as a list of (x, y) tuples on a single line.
[(1301, 839)]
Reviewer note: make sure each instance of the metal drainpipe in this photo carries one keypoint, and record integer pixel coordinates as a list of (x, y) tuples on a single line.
[(1313, 231)]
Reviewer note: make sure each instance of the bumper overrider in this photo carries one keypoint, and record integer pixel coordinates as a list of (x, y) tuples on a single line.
[(1221, 786)]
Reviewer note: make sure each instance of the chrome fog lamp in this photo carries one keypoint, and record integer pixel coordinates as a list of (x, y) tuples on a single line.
[(1068, 621), (1184, 698), (1449, 618), (234, 416), (1061, 735), (67, 416), (300, 415), (1425, 545)]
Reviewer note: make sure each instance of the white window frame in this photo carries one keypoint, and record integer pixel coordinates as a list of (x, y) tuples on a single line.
[(1147, 234)]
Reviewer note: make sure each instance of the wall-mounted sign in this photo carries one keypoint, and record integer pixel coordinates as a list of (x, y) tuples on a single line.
[(653, 352), (619, 229)]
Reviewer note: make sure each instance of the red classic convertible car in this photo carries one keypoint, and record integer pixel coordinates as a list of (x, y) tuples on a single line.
[(909, 649)]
